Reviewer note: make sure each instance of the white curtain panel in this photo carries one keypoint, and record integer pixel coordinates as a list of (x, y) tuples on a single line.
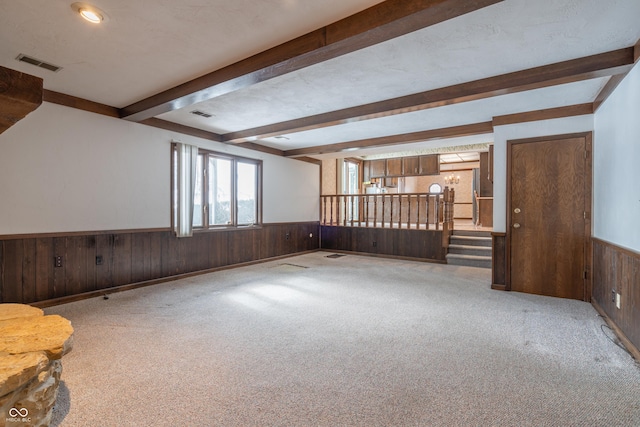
[(187, 157)]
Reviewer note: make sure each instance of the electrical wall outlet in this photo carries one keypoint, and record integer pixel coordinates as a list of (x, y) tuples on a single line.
[(617, 300), (99, 260), (613, 295)]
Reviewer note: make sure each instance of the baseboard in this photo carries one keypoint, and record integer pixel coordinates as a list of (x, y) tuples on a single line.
[(129, 287), (498, 287), (633, 350)]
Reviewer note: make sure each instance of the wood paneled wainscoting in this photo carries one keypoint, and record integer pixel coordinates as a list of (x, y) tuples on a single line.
[(425, 245), (616, 270), (96, 262)]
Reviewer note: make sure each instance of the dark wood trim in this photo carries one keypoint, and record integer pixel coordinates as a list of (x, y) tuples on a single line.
[(384, 21), (80, 103), (80, 233), (98, 262), (621, 249), (20, 94), (636, 51), (633, 350), (310, 160), (551, 113), (396, 242), (607, 90), (261, 148), (186, 130), (498, 261), (132, 286), (106, 110), (588, 195), (456, 131), (601, 65), (616, 268)]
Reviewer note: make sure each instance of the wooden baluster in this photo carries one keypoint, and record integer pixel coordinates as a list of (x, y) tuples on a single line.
[(375, 211), (365, 210), (399, 210), (324, 210), (417, 211), (436, 211), (352, 210), (427, 210), (331, 209), (344, 211), (383, 211)]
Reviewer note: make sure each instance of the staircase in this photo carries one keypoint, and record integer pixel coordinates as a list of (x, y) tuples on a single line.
[(470, 248)]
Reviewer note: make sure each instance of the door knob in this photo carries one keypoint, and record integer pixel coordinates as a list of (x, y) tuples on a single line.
[(516, 225), (517, 210)]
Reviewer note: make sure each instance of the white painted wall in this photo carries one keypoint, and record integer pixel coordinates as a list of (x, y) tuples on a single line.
[(616, 172), (502, 134), (63, 170)]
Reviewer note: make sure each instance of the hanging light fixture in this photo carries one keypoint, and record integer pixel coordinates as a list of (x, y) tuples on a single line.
[(451, 179)]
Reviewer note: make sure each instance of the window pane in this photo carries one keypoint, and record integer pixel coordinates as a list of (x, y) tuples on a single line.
[(247, 193), (197, 196), (219, 191)]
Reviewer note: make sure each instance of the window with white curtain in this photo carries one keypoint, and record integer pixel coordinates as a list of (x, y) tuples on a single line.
[(225, 191)]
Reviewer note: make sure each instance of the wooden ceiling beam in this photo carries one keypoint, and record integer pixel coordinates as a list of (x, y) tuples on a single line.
[(185, 130), (548, 114), (601, 65), (80, 103), (384, 21), (20, 94), (607, 90), (422, 136)]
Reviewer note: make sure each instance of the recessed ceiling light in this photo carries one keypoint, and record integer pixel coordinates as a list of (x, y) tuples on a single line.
[(89, 12)]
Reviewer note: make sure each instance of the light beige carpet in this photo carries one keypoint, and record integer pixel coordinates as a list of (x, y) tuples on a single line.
[(351, 341)]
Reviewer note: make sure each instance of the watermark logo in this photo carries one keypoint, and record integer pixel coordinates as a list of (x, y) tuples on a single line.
[(22, 412), (18, 415)]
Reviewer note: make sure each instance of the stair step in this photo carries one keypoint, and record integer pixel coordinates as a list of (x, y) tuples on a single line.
[(470, 241), (474, 233), (470, 250), (469, 260)]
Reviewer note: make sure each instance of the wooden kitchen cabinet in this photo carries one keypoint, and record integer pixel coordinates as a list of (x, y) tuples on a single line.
[(411, 166), (430, 165), (377, 168), (394, 167)]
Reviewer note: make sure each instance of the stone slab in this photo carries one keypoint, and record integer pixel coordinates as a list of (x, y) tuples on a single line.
[(51, 334)]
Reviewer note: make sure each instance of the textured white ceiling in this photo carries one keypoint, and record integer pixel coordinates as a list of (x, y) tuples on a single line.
[(506, 37), (147, 46), (448, 116)]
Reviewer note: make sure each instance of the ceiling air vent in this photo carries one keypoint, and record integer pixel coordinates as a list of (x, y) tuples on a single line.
[(38, 63), (201, 113)]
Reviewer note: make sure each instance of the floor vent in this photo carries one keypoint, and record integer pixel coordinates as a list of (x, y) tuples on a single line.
[(289, 267), (336, 256), (38, 63)]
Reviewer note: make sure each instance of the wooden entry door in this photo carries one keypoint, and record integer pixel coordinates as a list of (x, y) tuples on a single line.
[(549, 215)]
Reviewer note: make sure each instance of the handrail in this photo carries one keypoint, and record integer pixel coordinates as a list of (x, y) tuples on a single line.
[(393, 210)]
